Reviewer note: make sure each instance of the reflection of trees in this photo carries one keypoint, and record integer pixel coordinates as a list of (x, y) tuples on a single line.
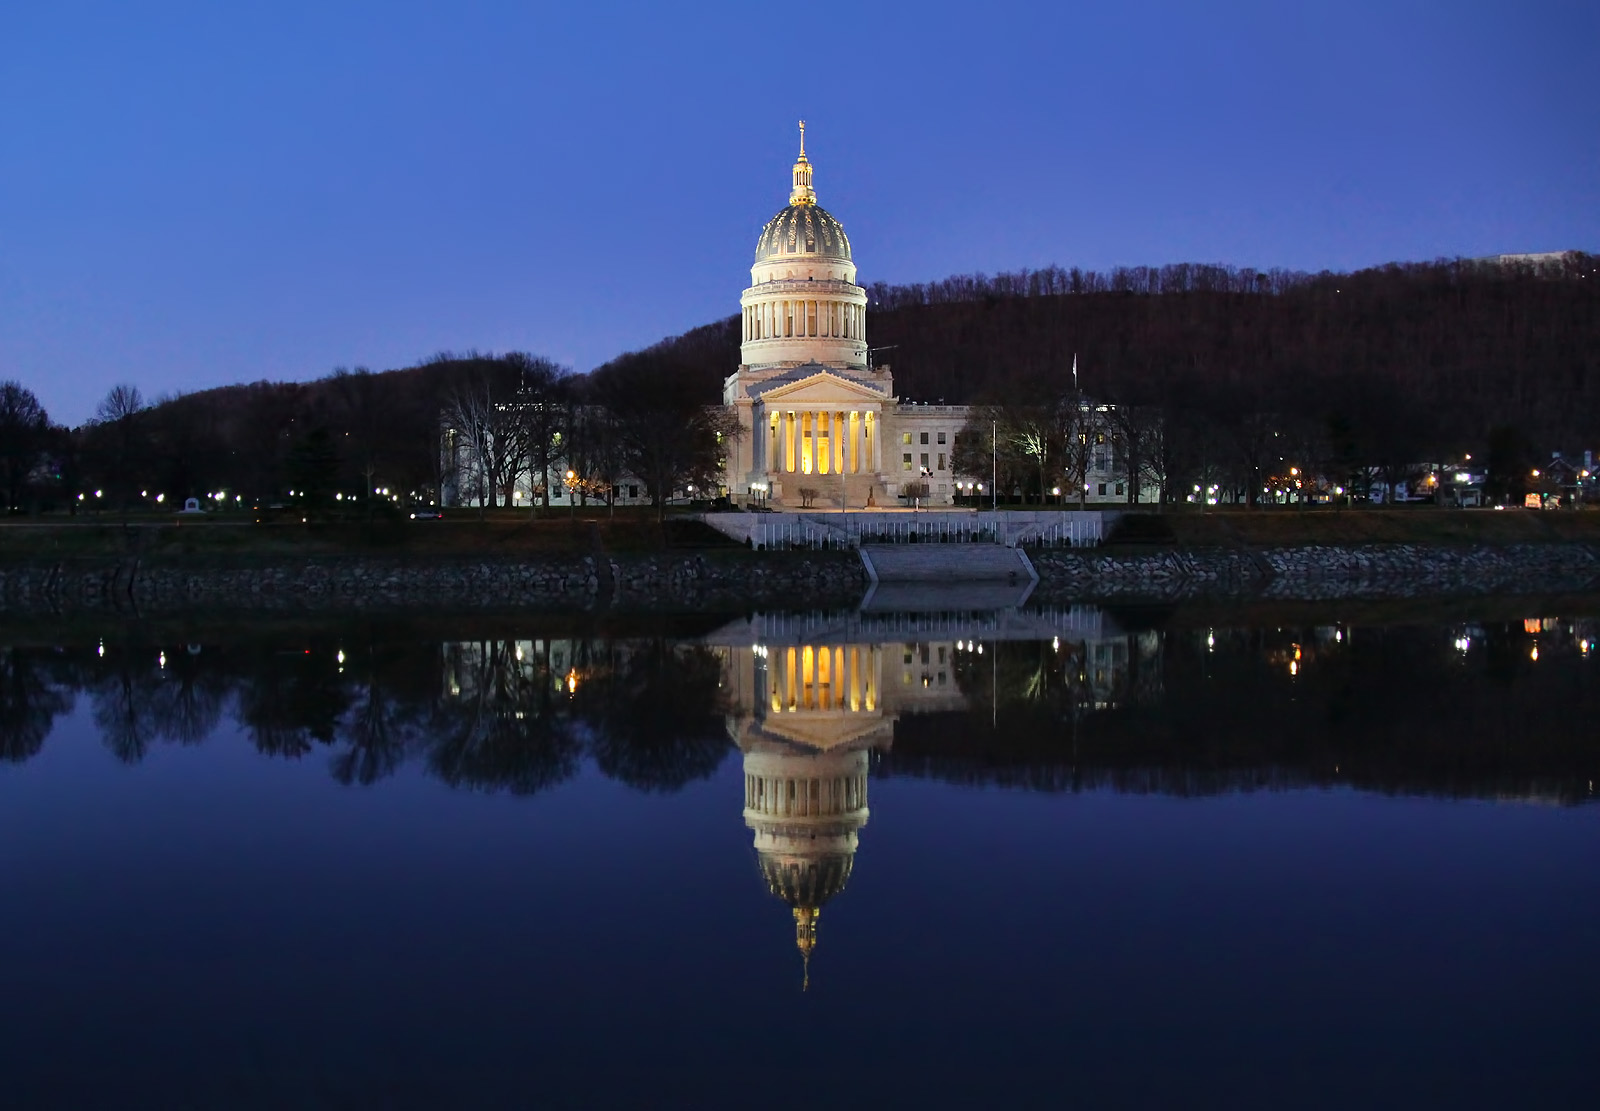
[(29, 704), (123, 712), (384, 722), (291, 698), (143, 695), (186, 702), (657, 725), (507, 729)]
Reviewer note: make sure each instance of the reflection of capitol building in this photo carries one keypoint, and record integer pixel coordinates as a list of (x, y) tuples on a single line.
[(807, 718), (811, 696)]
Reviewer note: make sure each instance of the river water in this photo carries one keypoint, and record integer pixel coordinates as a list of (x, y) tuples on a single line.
[(1016, 858)]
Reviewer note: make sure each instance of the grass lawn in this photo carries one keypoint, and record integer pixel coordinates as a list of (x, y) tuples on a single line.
[(497, 532)]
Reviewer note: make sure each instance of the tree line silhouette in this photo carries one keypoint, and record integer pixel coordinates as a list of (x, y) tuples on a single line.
[(338, 441), (1221, 373)]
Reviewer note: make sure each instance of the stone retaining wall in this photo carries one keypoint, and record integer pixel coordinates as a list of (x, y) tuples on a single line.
[(1314, 573), (750, 580), (665, 581)]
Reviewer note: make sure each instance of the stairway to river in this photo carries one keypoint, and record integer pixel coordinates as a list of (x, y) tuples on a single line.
[(936, 563)]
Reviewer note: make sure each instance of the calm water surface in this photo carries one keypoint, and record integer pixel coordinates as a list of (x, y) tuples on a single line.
[(1018, 859)]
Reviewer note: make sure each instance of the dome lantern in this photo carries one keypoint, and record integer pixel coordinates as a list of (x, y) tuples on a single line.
[(802, 193)]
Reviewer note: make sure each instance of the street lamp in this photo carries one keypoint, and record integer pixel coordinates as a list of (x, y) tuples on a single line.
[(572, 497)]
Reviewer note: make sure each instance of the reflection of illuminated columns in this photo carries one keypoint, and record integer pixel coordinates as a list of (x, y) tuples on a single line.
[(837, 678)]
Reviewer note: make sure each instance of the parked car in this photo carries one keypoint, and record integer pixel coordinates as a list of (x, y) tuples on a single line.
[(426, 513)]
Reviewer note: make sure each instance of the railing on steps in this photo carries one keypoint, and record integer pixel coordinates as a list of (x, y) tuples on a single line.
[(819, 532)]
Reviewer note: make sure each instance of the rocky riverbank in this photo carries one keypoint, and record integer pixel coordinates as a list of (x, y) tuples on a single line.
[(665, 581), (1319, 572), (743, 580)]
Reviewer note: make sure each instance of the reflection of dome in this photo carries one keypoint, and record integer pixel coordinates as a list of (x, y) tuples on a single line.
[(803, 230), (805, 808), (809, 883)]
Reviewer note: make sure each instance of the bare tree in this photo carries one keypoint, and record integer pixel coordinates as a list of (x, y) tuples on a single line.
[(24, 427), (489, 435), (543, 395), (118, 416)]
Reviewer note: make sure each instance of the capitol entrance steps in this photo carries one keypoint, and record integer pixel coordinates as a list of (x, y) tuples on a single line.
[(937, 563)]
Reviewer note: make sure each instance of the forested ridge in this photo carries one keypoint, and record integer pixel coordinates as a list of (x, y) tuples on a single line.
[(1395, 364), (1453, 348)]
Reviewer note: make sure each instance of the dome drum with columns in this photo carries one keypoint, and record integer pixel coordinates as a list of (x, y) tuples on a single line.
[(814, 412)]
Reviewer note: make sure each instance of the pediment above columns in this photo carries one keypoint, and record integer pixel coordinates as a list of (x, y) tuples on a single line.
[(819, 390)]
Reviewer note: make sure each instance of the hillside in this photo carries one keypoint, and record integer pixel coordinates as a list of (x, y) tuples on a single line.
[(1447, 350)]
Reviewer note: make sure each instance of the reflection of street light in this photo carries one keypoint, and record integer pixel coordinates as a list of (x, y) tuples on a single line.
[(572, 498)]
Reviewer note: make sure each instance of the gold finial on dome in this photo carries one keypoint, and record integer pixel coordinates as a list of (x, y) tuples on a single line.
[(802, 193), (805, 939)]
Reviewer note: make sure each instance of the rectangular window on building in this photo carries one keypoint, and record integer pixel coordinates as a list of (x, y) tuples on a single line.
[(924, 437), (1119, 489), (941, 460), (905, 461), (941, 437), (633, 491), (1102, 489), (905, 437), (924, 460)]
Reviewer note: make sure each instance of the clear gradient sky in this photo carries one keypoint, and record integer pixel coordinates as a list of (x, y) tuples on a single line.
[(193, 194)]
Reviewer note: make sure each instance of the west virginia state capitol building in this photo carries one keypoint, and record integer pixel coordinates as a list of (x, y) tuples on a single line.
[(820, 422)]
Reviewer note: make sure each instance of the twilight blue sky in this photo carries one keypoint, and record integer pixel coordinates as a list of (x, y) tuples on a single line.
[(193, 194)]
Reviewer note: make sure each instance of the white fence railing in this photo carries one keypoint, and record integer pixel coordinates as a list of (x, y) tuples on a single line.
[(790, 531)]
